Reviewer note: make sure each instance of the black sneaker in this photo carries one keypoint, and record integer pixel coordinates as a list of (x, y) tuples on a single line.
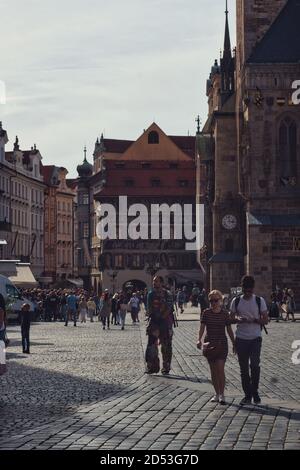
[(165, 372), (256, 399), (246, 401)]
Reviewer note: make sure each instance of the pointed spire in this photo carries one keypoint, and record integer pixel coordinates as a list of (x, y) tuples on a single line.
[(85, 160), (227, 44)]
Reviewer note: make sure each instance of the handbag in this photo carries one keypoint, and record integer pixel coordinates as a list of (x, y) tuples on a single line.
[(212, 350)]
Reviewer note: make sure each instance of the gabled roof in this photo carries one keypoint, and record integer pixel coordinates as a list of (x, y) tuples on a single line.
[(281, 43), (166, 149)]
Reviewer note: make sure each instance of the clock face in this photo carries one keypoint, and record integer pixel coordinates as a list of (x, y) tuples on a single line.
[(229, 222)]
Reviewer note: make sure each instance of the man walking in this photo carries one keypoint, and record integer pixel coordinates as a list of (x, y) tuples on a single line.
[(160, 315), (25, 327), (251, 315), (71, 308)]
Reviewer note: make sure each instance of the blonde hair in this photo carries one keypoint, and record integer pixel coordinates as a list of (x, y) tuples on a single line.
[(217, 293)]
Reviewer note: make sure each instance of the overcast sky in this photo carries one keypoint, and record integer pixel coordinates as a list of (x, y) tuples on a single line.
[(76, 68)]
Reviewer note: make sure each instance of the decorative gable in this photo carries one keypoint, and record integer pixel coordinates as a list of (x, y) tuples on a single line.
[(154, 145)]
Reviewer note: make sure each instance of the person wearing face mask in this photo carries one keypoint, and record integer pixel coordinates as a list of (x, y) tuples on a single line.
[(250, 313), (215, 321)]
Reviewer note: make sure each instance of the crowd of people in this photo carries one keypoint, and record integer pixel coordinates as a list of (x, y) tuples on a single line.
[(248, 312)]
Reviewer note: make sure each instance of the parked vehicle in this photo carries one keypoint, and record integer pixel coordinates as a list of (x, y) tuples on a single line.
[(13, 299)]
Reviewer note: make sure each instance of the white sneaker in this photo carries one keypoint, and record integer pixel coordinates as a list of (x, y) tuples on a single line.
[(222, 400), (215, 399)]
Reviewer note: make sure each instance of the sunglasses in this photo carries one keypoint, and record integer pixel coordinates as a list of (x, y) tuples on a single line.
[(214, 301)]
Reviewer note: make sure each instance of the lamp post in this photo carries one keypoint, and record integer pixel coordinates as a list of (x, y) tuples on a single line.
[(113, 275), (152, 270)]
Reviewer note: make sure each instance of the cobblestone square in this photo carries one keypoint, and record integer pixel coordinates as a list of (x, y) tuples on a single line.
[(85, 388)]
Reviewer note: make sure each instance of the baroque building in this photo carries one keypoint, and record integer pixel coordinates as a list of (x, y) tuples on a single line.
[(249, 151), (155, 169), (59, 226), (22, 189)]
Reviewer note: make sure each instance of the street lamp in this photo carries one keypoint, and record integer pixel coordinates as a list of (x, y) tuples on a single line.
[(113, 274), (152, 270)]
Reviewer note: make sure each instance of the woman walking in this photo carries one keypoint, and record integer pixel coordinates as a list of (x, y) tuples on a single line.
[(122, 308), (104, 310), (114, 310), (290, 305), (91, 309), (215, 320), (82, 310)]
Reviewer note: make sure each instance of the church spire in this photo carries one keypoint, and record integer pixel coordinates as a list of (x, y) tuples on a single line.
[(227, 61), (227, 44)]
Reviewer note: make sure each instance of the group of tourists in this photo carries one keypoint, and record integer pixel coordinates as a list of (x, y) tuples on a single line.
[(283, 305), (248, 312)]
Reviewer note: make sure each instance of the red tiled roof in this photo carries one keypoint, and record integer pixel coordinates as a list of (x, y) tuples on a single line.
[(186, 143), (116, 146)]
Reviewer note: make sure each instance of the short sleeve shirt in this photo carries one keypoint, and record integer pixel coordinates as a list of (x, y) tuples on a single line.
[(248, 309), (215, 324)]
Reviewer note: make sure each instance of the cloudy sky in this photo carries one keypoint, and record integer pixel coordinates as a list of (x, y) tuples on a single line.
[(76, 68)]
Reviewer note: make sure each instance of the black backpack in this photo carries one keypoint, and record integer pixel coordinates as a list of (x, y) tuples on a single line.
[(258, 301)]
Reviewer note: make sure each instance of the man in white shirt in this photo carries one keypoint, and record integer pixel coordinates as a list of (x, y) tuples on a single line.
[(251, 315)]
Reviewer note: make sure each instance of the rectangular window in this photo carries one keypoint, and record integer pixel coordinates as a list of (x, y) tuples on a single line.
[(129, 183), (119, 261), (155, 183), (183, 183)]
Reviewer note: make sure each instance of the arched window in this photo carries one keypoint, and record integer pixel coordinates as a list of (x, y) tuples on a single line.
[(288, 148), (153, 137)]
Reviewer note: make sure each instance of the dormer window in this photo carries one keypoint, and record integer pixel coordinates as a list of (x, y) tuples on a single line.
[(153, 137)]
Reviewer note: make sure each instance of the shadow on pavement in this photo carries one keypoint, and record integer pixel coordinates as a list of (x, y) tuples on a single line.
[(31, 396)]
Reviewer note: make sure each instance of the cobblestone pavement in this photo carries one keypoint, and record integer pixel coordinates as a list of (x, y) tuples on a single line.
[(85, 389)]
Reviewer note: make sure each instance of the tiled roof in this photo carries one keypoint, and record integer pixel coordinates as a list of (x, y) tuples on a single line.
[(227, 258), (116, 146), (287, 220), (281, 43), (186, 143)]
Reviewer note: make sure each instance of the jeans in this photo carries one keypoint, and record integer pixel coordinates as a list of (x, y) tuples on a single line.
[(25, 338), (122, 316), (248, 352)]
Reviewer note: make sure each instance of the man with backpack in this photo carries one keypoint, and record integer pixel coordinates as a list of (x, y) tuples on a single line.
[(250, 313)]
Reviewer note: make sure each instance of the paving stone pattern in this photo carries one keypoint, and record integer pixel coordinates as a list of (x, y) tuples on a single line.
[(85, 388)]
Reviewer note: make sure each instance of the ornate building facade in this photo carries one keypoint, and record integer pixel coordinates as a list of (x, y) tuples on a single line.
[(59, 226), (154, 169), (250, 151), (23, 206)]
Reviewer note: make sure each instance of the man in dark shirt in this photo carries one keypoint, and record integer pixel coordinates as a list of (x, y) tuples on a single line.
[(25, 327)]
